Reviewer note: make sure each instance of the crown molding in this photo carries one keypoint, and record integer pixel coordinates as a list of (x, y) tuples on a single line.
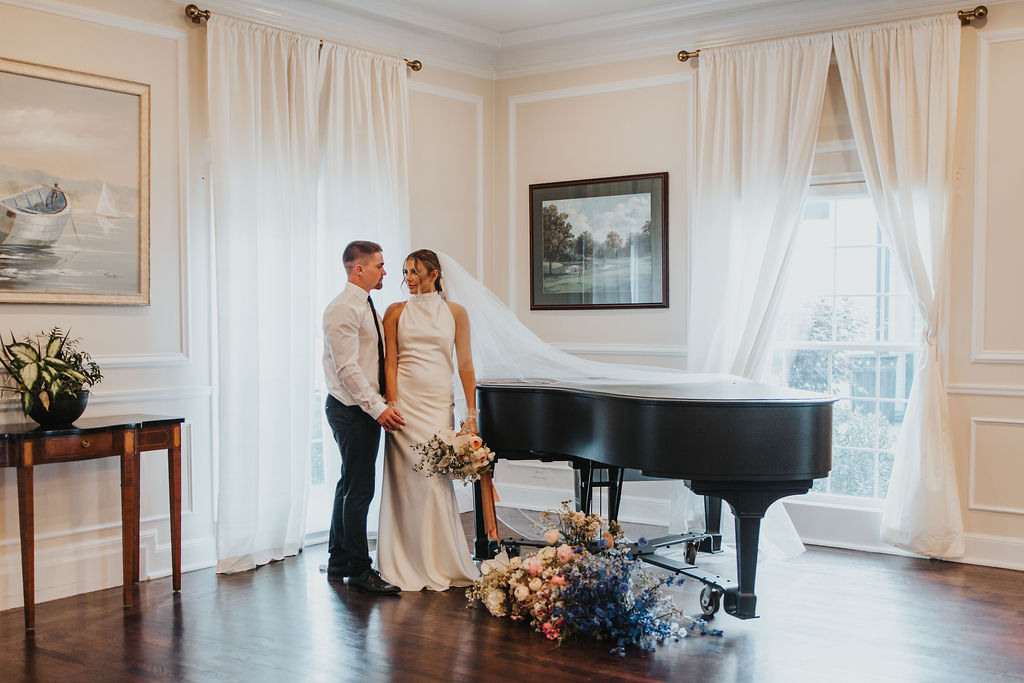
[(415, 32)]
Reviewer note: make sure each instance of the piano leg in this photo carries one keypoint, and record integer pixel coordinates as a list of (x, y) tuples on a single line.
[(749, 501)]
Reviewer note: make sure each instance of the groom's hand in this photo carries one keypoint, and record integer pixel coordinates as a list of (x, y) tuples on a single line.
[(391, 420)]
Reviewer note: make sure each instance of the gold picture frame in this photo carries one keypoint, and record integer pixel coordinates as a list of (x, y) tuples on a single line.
[(74, 187)]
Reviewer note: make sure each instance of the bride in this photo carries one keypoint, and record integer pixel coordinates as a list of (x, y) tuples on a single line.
[(421, 543)]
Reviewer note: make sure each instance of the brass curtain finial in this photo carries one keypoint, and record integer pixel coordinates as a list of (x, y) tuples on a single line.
[(195, 14), (968, 15), (415, 64), (684, 55)]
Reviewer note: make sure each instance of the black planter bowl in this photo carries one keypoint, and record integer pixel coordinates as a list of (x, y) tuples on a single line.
[(62, 411)]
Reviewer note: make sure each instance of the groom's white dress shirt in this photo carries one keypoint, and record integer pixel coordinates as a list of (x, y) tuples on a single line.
[(350, 351)]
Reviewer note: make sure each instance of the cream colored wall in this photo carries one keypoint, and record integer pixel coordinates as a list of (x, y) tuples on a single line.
[(450, 175), (155, 358), (985, 332)]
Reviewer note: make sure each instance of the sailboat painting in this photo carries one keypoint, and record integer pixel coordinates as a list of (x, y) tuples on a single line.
[(74, 187)]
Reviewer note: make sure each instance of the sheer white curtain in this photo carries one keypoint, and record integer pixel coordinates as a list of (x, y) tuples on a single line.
[(364, 157), (758, 109), (900, 82), (263, 133), (364, 191)]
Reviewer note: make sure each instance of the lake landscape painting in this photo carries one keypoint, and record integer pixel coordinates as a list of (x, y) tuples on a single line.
[(74, 187), (599, 243)]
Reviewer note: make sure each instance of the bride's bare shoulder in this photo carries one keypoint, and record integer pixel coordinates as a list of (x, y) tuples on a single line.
[(394, 310), (458, 310)]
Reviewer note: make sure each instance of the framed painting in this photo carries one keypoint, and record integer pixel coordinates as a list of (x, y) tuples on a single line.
[(600, 243), (74, 187)]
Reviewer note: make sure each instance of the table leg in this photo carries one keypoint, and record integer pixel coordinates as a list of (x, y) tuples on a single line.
[(129, 521), (174, 481), (27, 524), (137, 510)]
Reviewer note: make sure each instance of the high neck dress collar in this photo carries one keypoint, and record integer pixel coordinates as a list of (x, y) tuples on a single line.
[(425, 297)]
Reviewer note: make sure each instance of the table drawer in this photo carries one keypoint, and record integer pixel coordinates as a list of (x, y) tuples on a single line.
[(77, 447)]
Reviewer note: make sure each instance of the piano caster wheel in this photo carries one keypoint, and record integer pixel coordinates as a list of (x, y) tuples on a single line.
[(690, 556), (710, 601)]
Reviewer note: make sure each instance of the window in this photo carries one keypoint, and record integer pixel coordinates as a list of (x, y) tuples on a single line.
[(849, 327)]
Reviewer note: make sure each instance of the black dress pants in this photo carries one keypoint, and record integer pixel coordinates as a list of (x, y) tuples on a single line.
[(358, 438)]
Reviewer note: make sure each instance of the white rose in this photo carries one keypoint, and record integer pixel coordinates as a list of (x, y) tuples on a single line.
[(494, 601), (522, 592), (536, 584)]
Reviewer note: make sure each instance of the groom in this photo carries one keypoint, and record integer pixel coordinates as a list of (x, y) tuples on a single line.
[(354, 369)]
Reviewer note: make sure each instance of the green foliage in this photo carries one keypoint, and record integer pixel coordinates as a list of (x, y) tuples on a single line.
[(810, 369), (556, 231), (45, 367)]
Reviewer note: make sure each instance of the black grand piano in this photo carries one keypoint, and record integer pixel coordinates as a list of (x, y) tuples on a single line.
[(743, 442)]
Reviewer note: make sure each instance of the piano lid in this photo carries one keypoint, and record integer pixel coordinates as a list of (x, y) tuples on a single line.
[(731, 391)]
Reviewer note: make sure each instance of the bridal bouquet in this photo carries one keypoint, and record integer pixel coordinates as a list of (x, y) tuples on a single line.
[(460, 456)]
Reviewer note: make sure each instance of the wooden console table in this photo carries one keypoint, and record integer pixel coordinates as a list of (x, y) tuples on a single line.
[(26, 445)]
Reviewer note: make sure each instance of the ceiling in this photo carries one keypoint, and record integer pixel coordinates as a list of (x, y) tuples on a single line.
[(508, 38)]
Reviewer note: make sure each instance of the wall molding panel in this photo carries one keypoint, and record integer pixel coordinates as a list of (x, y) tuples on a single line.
[(972, 499), (980, 353)]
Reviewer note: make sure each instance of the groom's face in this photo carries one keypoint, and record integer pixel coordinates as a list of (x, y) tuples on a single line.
[(372, 275)]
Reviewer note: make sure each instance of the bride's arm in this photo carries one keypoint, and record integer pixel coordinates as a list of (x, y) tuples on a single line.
[(391, 352), (464, 354)]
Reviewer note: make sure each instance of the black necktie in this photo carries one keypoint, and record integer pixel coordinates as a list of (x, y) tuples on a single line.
[(380, 347)]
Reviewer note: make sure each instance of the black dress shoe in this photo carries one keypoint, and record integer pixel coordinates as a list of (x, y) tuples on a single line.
[(371, 582), (336, 576)]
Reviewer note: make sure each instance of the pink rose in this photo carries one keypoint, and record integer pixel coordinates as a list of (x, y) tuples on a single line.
[(533, 565), (550, 632), (558, 580), (565, 553)]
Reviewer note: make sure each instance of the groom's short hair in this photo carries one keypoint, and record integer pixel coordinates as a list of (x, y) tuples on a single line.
[(358, 250)]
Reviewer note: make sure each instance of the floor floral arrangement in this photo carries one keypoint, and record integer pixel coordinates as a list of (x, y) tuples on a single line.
[(584, 584)]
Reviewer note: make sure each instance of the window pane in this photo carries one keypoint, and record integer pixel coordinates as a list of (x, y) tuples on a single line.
[(855, 424), (809, 370), (316, 474), (885, 461), (855, 222), (853, 473), (856, 318), (857, 270), (858, 369)]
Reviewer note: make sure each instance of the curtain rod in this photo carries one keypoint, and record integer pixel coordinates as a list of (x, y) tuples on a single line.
[(966, 16), (197, 15)]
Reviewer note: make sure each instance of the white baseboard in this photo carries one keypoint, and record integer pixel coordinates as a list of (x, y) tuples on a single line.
[(994, 551), (70, 568)]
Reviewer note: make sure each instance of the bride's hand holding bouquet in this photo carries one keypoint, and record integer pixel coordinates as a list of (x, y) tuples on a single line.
[(459, 455)]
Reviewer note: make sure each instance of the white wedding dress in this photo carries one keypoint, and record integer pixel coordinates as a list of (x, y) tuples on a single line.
[(421, 543)]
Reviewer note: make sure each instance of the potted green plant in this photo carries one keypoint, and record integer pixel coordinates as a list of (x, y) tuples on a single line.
[(51, 374)]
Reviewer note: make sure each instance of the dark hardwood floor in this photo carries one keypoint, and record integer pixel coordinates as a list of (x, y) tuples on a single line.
[(828, 615)]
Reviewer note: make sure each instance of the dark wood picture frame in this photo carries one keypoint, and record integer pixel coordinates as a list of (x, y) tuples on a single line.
[(599, 243)]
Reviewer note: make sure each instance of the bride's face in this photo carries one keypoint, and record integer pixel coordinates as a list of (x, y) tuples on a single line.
[(417, 279)]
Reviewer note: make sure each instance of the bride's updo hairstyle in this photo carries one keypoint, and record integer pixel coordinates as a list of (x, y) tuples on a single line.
[(428, 260)]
